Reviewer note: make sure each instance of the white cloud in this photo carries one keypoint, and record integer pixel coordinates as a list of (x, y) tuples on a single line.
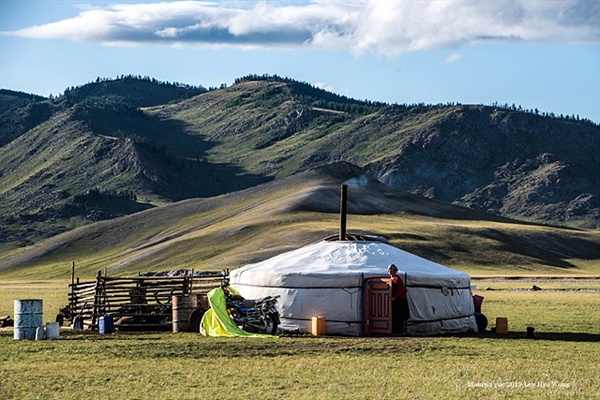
[(324, 86), (452, 58), (359, 26)]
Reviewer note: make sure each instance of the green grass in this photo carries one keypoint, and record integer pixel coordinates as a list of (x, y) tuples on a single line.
[(53, 293), (547, 311), (188, 366), (562, 363)]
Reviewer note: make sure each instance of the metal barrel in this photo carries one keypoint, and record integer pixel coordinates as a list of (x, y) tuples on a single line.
[(183, 307), (28, 317), (203, 301)]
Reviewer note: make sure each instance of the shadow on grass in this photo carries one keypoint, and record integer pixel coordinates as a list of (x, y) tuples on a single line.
[(92, 336), (551, 336)]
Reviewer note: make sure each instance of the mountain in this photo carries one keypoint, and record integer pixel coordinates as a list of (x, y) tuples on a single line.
[(20, 112), (498, 160), (115, 147), (246, 226), (503, 162), (134, 91)]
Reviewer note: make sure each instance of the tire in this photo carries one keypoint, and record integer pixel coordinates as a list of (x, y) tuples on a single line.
[(271, 327), (169, 300), (482, 322), (196, 318)]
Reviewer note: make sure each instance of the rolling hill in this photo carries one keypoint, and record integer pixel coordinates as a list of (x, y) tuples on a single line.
[(237, 228), (112, 148)]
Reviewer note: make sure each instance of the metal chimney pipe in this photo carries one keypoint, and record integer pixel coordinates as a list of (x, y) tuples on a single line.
[(343, 211)]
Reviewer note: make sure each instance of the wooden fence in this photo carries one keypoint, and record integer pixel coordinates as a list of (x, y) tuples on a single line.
[(136, 303)]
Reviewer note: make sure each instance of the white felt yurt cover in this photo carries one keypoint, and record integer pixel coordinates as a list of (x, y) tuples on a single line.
[(327, 279)]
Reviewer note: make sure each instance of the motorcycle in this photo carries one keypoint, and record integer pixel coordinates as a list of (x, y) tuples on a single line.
[(252, 315)]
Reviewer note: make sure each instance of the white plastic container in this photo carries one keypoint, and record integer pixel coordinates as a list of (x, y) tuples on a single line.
[(52, 330), (39, 333)]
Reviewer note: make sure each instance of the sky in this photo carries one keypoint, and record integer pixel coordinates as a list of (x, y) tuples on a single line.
[(537, 54)]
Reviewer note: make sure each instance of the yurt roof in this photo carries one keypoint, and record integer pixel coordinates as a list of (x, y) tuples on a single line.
[(328, 261)]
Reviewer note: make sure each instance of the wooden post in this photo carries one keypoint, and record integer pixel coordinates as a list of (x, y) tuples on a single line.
[(343, 209), (71, 301), (97, 293), (192, 282), (186, 285)]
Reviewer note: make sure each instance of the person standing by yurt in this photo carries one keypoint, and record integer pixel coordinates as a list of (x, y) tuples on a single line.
[(399, 302)]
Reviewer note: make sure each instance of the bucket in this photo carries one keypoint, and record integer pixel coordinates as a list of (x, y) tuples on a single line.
[(183, 306), (28, 317), (106, 325), (318, 326), (52, 330), (501, 326)]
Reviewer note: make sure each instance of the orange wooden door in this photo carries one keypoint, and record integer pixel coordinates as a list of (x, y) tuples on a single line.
[(378, 312)]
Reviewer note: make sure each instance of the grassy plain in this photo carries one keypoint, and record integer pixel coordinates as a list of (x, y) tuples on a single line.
[(561, 363)]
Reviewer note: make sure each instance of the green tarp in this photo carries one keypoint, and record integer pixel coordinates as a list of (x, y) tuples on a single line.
[(216, 321)]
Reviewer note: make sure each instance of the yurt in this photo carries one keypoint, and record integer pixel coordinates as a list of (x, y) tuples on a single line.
[(345, 282)]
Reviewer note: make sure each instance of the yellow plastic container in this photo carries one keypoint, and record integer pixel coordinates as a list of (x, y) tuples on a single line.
[(318, 326), (501, 326)]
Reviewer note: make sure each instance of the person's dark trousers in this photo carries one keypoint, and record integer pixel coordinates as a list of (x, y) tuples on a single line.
[(397, 321)]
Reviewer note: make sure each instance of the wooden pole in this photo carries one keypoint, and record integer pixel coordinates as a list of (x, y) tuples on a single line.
[(98, 291), (71, 305)]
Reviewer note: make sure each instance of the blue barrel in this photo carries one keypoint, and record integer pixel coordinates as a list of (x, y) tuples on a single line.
[(106, 324), (28, 317)]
